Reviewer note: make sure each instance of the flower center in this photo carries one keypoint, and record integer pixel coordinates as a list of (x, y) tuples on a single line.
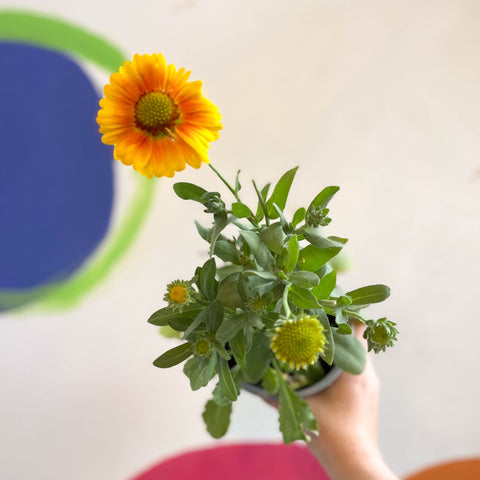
[(155, 113), (178, 294), (203, 347), (299, 343)]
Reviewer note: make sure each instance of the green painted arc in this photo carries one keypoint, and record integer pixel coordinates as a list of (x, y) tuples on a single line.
[(60, 36)]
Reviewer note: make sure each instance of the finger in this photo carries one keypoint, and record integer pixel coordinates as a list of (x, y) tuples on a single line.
[(358, 330)]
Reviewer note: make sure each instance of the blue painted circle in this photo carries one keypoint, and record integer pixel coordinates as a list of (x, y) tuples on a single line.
[(56, 178)]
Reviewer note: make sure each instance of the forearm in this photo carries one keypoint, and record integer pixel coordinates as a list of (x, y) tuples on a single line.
[(351, 460)]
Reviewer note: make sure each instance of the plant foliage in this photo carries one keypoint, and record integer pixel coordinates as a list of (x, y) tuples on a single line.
[(272, 270)]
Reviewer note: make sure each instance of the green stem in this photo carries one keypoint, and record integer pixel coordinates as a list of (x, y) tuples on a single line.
[(285, 301), (278, 368), (234, 193), (219, 175)]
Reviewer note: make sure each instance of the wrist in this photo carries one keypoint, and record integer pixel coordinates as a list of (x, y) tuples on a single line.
[(353, 457)]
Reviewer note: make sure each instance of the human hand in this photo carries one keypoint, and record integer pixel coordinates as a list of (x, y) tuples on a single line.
[(346, 413)]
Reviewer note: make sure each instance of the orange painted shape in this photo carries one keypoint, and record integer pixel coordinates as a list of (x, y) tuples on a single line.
[(458, 470)]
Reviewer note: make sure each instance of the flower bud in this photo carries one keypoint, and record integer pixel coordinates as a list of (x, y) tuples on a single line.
[(317, 216), (179, 294), (213, 202), (380, 334), (202, 347)]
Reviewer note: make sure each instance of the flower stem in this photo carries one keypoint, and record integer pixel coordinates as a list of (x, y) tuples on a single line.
[(250, 218), (219, 175), (278, 368), (285, 301)]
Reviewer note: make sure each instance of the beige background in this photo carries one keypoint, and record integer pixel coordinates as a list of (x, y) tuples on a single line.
[(379, 97)]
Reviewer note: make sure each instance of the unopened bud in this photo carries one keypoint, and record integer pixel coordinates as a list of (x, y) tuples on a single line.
[(317, 216), (213, 202), (380, 334)]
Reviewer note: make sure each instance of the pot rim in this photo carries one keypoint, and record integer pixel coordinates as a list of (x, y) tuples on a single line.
[(307, 391)]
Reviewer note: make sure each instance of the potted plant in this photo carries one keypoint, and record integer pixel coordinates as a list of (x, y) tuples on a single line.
[(263, 311)]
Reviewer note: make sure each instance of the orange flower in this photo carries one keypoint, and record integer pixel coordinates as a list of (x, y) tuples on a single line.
[(157, 120)]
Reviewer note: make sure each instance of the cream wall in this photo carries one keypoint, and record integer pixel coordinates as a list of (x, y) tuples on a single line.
[(379, 97)]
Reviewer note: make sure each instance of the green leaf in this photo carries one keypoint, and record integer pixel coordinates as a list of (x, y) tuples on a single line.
[(219, 398), (201, 317), (299, 216), (313, 235), (344, 329), (223, 249), (242, 288), (270, 382), (189, 191), (261, 286), (265, 275), (230, 327), (329, 349), (240, 210), (314, 373), (174, 356), (200, 370), (302, 298), (270, 318), (258, 358), (226, 270), (294, 414), (262, 195), (303, 279), (283, 221), (221, 221), (217, 418), (161, 317), (238, 346), (370, 294), (228, 292), (206, 279), (168, 332), (202, 231), (280, 193), (340, 317), (225, 379), (349, 355), (180, 324), (273, 237), (221, 350), (238, 187), (324, 197), (326, 286), (248, 337), (259, 249), (255, 320), (292, 257), (340, 241), (226, 252), (312, 258), (215, 314)]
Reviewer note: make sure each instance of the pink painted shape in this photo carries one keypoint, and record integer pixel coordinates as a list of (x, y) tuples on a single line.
[(240, 462)]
